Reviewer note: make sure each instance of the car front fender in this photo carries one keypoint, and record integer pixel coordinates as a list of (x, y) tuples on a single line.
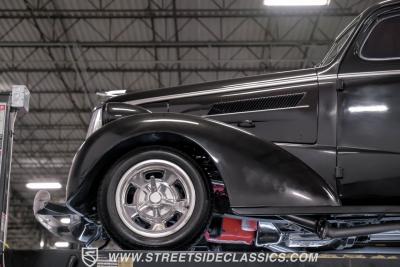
[(256, 173)]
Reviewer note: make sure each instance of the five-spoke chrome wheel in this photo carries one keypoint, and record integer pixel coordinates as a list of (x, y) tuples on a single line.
[(155, 198)]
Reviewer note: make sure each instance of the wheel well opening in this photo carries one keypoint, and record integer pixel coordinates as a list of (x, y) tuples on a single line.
[(174, 141)]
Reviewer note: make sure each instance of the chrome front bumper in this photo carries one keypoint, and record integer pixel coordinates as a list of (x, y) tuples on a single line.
[(63, 222)]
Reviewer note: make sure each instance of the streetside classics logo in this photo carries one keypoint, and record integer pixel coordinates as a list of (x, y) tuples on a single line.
[(90, 256)]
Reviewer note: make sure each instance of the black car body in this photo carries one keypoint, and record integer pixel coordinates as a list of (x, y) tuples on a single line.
[(317, 142)]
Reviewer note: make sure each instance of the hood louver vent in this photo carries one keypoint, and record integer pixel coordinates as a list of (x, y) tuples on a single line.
[(263, 103)]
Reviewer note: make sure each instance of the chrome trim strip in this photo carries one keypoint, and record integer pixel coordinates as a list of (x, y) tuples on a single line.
[(272, 90), (351, 29), (261, 110), (369, 74), (229, 88), (324, 77)]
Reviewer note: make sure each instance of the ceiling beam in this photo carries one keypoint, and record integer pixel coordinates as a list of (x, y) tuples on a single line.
[(163, 44), (167, 69), (48, 140), (168, 13), (38, 154), (49, 127), (43, 37)]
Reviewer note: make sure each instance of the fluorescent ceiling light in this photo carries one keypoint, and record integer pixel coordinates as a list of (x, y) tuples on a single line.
[(376, 108), (43, 185), (65, 220), (61, 244), (296, 2)]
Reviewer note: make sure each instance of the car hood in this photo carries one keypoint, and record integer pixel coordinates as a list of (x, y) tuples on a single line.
[(259, 81)]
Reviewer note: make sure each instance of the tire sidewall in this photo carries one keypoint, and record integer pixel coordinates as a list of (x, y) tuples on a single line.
[(124, 235)]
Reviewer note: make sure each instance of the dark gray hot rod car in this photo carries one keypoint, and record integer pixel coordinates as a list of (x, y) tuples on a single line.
[(285, 161)]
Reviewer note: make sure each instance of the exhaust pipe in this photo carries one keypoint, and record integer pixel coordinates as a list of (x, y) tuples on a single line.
[(326, 230), (303, 221)]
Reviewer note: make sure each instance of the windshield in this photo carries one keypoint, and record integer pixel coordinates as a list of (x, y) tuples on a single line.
[(339, 42)]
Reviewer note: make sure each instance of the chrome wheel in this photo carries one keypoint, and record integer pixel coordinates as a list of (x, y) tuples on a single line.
[(155, 198)]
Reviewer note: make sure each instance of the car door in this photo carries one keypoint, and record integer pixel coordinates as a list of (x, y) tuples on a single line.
[(369, 114)]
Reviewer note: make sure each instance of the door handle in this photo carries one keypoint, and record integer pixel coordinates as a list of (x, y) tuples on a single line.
[(246, 124)]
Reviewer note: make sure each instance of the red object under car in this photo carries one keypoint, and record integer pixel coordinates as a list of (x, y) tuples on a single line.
[(235, 231)]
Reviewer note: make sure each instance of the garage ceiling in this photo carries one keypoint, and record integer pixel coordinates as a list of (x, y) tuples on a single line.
[(66, 51)]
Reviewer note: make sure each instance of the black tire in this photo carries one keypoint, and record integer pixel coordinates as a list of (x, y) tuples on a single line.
[(128, 239)]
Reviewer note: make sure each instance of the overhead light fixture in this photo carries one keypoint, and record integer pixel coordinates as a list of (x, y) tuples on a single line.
[(296, 2), (53, 185), (61, 244), (374, 108), (65, 220)]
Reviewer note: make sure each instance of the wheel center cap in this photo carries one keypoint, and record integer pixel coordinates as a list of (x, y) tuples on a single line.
[(155, 198)]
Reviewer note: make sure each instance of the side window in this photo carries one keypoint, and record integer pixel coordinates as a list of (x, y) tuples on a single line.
[(383, 42)]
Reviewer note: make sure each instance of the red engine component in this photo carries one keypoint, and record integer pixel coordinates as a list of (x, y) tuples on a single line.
[(234, 231)]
